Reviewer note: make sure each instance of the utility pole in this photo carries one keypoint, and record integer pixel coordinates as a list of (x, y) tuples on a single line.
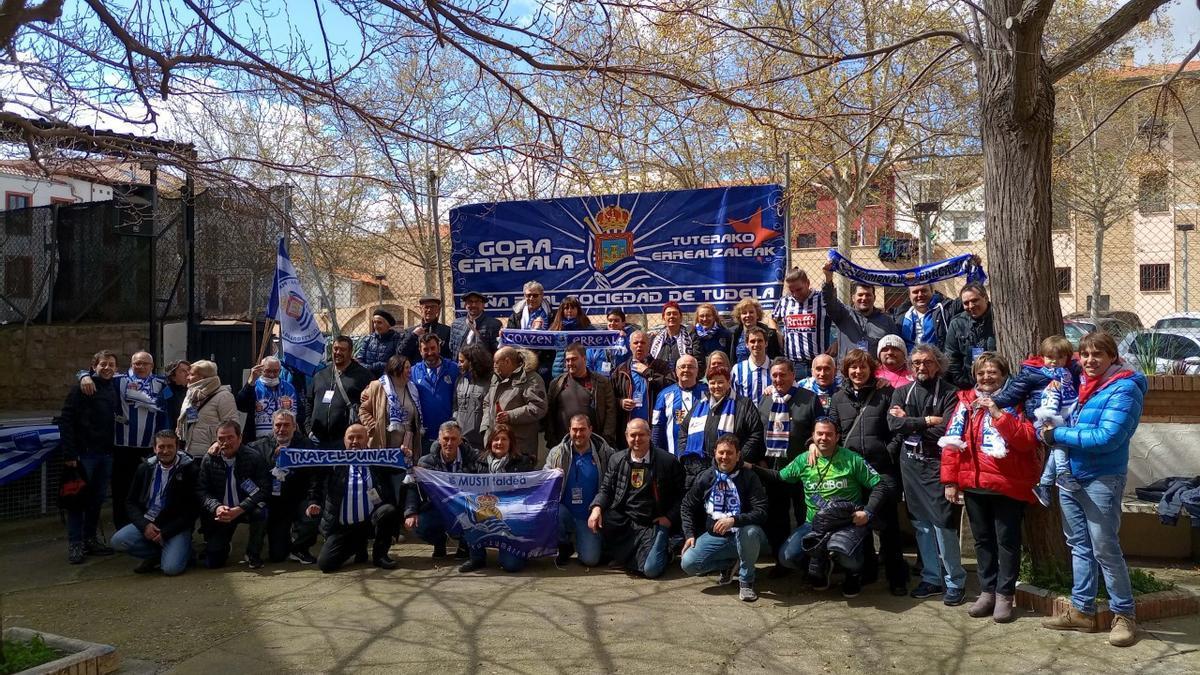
[(437, 239), (1185, 228)]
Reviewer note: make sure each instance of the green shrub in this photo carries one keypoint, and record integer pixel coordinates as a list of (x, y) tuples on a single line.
[(1058, 580), (19, 655)]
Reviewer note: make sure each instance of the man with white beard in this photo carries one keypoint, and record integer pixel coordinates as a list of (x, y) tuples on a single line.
[(918, 419)]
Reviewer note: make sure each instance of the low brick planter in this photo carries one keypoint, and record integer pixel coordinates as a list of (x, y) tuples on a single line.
[(81, 657), (1150, 606)]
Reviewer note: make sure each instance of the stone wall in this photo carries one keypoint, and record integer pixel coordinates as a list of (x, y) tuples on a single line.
[(39, 362), (1172, 398)]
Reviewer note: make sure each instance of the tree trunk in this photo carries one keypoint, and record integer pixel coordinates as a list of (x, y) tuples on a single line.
[(844, 221), (1097, 257), (1017, 212)]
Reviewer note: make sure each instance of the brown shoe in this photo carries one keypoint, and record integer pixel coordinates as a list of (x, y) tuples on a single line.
[(982, 606), (1124, 631), (1072, 619), (1003, 611)]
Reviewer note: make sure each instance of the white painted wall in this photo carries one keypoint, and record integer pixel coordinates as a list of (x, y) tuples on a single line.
[(45, 189)]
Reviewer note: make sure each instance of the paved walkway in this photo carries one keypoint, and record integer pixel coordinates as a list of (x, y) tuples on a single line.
[(429, 618)]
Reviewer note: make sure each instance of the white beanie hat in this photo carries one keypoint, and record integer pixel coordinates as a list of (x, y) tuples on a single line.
[(890, 341)]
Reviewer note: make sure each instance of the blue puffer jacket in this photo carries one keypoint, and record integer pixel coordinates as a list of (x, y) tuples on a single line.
[(1098, 441)]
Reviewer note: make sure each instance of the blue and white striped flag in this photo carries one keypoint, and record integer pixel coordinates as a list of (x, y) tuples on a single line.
[(23, 449), (302, 343)]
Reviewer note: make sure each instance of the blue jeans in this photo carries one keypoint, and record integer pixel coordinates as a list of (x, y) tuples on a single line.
[(711, 552), (174, 552), (430, 527), (97, 470), (1057, 461), (1091, 521), (587, 543), (794, 556), (940, 550), (656, 560)]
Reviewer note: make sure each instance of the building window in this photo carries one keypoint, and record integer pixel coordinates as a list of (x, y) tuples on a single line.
[(18, 276), (1155, 277), (806, 240), (18, 224), (1062, 278), (833, 239), (1153, 193), (962, 229)]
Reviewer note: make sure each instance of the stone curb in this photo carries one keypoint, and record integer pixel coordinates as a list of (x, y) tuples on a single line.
[(82, 657), (1150, 606)]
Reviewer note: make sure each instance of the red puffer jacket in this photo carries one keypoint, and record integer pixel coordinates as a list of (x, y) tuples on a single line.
[(1013, 475)]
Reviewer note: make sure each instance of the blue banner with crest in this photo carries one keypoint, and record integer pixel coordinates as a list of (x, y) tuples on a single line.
[(634, 251)]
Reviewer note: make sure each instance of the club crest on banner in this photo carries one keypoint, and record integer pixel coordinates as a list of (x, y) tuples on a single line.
[(486, 507), (294, 306), (613, 243)]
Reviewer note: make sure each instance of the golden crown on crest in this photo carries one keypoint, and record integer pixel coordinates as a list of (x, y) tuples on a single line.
[(611, 219)]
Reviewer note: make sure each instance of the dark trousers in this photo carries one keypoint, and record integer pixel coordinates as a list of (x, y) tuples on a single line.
[(344, 542), (891, 549), (125, 464), (996, 525), (784, 500), (288, 527), (218, 538)]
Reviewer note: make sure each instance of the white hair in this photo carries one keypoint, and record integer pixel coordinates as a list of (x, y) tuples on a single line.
[(271, 361)]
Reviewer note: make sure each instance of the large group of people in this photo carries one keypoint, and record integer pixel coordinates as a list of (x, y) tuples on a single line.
[(799, 435)]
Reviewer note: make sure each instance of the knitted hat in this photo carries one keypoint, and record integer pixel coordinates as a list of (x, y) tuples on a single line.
[(386, 316), (891, 341)]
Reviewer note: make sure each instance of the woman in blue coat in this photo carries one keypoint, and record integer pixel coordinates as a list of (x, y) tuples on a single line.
[(1097, 441)]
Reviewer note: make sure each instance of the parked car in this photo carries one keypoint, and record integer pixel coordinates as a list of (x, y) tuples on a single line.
[(1116, 324), (1179, 320), (1169, 351), (1074, 331)]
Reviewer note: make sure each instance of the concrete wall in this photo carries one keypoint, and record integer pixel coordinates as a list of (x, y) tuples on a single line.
[(39, 362)]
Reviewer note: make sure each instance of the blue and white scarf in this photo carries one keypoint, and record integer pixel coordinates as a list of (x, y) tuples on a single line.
[(695, 430), (917, 328), (993, 443), (356, 505), (779, 425), (142, 394), (1058, 399), (397, 413), (663, 339), (941, 270), (293, 458), (723, 500), (528, 317), (559, 339), (703, 333)]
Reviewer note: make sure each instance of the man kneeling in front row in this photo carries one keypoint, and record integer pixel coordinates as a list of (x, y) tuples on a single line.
[(637, 502), (359, 504), (835, 480), (730, 504), (163, 506)]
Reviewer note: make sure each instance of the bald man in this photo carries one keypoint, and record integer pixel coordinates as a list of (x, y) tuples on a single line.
[(638, 503), (356, 504), (823, 382)]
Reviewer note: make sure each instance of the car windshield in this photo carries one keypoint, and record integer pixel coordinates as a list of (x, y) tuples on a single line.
[(1074, 333)]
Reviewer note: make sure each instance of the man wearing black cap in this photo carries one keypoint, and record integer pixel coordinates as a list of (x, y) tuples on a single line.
[(431, 310), (381, 344), (475, 326)]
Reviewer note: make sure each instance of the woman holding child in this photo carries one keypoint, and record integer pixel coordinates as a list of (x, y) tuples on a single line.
[(1096, 444)]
